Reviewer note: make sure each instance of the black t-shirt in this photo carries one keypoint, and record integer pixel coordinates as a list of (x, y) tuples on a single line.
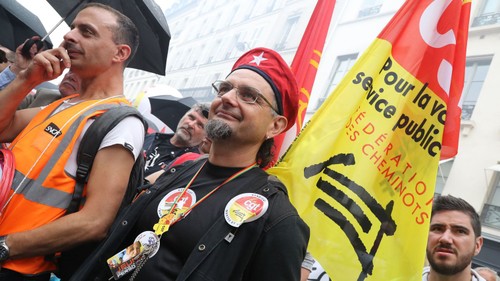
[(177, 244), (160, 152)]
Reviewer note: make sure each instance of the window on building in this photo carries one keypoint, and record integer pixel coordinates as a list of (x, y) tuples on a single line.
[(126, 73), (369, 8), (489, 13), (200, 94), (215, 48), (342, 66), (219, 3), (232, 49), (193, 31), (180, 61), (176, 30), (203, 29), (253, 39), (490, 215), (216, 76), (249, 10), (287, 33), (231, 18), (216, 23), (444, 170), (200, 56), (260, 7), (183, 84), (475, 74), (197, 81), (133, 88), (187, 58), (206, 6), (270, 5)]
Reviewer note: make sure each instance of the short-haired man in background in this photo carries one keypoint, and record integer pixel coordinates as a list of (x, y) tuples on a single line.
[(454, 239), (161, 149)]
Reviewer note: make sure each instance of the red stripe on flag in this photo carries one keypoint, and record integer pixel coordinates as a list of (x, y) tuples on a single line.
[(305, 65)]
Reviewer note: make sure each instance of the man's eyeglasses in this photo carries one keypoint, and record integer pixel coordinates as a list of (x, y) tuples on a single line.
[(244, 93)]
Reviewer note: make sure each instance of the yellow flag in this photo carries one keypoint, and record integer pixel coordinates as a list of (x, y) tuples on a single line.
[(362, 171)]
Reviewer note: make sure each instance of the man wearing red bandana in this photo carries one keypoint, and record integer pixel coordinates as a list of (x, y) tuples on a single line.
[(221, 217)]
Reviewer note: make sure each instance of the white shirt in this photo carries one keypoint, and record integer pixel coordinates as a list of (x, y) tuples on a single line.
[(129, 133)]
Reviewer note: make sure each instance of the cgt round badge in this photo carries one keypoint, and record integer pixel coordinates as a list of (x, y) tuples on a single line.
[(245, 207), (185, 202)]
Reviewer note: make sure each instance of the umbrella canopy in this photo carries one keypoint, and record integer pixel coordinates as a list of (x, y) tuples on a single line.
[(170, 109), (150, 21), (18, 24)]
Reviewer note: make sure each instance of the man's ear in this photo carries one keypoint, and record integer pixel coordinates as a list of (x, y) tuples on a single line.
[(277, 126), (123, 52), (479, 245)]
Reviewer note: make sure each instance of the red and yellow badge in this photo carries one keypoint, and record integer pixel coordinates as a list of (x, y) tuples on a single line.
[(181, 201), (187, 200), (245, 207)]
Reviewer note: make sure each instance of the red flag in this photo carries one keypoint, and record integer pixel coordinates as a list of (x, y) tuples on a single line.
[(305, 65), (448, 43)]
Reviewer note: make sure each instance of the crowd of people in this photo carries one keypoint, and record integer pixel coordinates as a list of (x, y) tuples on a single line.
[(207, 209)]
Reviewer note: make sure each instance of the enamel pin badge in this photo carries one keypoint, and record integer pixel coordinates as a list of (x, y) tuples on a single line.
[(244, 208)]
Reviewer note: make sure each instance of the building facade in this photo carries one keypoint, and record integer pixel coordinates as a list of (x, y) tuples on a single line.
[(208, 36)]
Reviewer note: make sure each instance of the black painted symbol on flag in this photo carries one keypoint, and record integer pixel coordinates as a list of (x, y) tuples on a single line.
[(387, 224)]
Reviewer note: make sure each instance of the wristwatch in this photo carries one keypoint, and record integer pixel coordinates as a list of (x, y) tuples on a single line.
[(4, 249)]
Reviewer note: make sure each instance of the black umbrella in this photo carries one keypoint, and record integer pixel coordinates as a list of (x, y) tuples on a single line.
[(170, 109), (18, 24), (150, 21)]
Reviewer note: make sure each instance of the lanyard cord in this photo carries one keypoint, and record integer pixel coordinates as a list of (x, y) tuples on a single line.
[(163, 223)]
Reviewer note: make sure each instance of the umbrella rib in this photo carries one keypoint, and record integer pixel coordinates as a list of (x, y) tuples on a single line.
[(63, 19)]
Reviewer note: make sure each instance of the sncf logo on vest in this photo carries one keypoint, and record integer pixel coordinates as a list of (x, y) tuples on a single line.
[(53, 130)]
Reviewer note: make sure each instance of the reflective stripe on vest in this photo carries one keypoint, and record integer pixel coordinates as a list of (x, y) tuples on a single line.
[(33, 189), (35, 205)]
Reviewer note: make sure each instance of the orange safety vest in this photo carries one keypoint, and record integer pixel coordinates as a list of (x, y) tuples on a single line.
[(42, 190)]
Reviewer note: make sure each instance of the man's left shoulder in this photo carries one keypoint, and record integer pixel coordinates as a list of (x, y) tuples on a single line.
[(280, 205), (275, 181)]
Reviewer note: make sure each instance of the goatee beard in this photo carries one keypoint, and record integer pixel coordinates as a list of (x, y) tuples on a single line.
[(218, 130)]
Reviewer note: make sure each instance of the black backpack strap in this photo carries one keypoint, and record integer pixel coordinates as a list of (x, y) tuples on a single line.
[(89, 146)]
